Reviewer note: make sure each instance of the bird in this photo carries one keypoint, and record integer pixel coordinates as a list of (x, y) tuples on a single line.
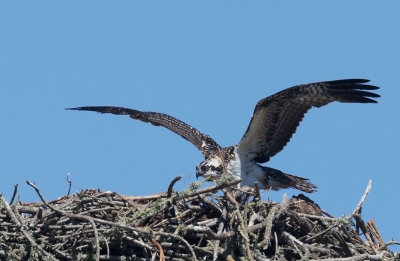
[(274, 121)]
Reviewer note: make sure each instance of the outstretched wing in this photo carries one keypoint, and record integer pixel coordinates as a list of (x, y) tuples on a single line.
[(203, 142), (276, 117)]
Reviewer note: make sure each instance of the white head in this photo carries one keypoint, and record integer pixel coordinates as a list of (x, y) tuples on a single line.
[(210, 168)]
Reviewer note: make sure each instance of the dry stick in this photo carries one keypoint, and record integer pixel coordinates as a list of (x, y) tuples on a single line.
[(323, 232), (22, 229), (195, 193), (207, 231), (125, 202), (215, 188), (96, 236), (180, 239), (87, 218), (295, 240), (139, 243), (210, 203), (356, 214), (69, 183), (359, 205), (304, 246), (14, 194), (107, 247), (144, 198), (244, 234), (253, 218), (220, 229), (276, 244), (231, 198), (342, 242), (391, 242), (321, 218), (373, 230), (171, 186), (169, 194), (257, 196), (268, 226), (354, 258), (365, 230), (162, 258)]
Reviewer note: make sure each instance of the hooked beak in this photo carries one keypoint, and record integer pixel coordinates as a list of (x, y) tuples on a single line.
[(198, 174)]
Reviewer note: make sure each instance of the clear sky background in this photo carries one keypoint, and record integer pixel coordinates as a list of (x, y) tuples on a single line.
[(206, 63)]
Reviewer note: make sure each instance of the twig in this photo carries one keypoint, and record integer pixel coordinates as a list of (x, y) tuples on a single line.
[(257, 196), (180, 239), (96, 235), (359, 205), (295, 240), (276, 244), (389, 243), (210, 203), (342, 243), (171, 186), (160, 249), (244, 234), (319, 234), (374, 232), (145, 198), (360, 223), (107, 246), (69, 183), (140, 243), (228, 194), (354, 258), (221, 226), (268, 227), (38, 192), (14, 193), (195, 193), (314, 217), (215, 188)]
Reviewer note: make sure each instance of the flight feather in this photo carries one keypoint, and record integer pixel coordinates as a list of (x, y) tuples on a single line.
[(202, 141), (276, 117)]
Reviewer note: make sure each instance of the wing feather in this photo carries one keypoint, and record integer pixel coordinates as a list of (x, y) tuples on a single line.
[(276, 117), (203, 142)]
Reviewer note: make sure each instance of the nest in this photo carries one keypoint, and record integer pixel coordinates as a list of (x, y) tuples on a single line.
[(213, 223)]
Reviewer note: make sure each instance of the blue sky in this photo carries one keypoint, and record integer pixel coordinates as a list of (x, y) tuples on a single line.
[(206, 63)]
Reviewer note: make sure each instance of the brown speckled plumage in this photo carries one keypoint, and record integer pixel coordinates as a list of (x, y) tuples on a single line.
[(274, 121)]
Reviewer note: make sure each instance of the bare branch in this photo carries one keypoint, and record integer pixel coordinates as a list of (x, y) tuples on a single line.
[(359, 205)]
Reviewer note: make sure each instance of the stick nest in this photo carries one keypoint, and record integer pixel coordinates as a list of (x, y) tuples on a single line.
[(215, 223)]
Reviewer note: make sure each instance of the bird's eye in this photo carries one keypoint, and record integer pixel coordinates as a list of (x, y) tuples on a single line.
[(205, 168)]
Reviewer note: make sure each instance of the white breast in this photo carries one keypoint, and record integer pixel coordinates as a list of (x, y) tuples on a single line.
[(235, 166), (248, 171)]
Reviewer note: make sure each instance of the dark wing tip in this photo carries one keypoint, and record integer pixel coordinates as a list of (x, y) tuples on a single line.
[(357, 83), (353, 80), (353, 90), (87, 108), (76, 108), (105, 109)]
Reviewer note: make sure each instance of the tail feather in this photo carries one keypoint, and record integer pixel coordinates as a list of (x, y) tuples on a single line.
[(276, 179)]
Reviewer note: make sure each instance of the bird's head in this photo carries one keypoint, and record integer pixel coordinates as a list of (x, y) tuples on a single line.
[(210, 168)]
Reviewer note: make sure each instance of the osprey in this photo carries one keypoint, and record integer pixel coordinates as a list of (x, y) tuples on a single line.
[(273, 123)]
